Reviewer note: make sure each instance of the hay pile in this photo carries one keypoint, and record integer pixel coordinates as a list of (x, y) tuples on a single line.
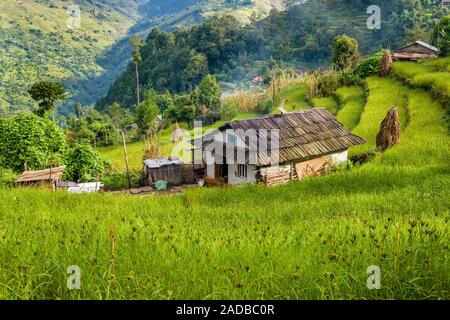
[(390, 129), (386, 64)]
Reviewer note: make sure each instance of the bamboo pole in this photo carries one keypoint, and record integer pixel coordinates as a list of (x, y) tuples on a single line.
[(126, 160)]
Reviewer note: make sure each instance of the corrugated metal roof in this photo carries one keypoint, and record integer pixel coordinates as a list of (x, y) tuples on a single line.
[(158, 163), (423, 44)]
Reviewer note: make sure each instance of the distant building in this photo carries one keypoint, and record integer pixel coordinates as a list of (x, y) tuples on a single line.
[(416, 51), (445, 3), (257, 81)]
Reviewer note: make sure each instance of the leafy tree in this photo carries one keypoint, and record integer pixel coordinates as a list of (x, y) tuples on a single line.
[(147, 111), (30, 141), (345, 52), (207, 94), (441, 35), (84, 163), (164, 101), (78, 110), (46, 93)]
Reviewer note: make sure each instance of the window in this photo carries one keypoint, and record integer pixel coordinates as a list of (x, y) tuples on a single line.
[(242, 171), (231, 139)]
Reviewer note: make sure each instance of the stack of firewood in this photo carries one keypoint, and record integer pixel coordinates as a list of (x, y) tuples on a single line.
[(276, 175)]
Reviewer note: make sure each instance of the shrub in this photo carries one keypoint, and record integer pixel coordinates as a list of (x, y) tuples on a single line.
[(114, 181), (83, 164), (229, 110), (31, 140), (7, 178), (266, 106), (371, 66)]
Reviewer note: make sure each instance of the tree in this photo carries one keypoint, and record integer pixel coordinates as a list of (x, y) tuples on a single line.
[(84, 163), (116, 114), (147, 111), (30, 141), (137, 44), (345, 52), (164, 101), (416, 33), (207, 94), (441, 35), (78, 110), (46, 93)]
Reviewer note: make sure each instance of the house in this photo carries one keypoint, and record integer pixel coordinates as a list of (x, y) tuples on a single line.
[(416, 51), (48, 178), (445, 3), (275, 149), (166, 169)]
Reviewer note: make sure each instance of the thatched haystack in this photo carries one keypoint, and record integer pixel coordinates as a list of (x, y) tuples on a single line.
[(386, 64), (390, 128), (177, 135)]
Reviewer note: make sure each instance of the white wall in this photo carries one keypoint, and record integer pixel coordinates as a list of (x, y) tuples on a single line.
[(233, 177), (340, 158)]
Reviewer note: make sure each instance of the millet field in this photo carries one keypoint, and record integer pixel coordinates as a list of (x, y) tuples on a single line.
[(306, 240)]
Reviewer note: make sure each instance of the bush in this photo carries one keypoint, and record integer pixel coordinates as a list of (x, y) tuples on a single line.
[(114, 181), (348, 78), (31, 140), (83, 164), (229, 110), (371, 66), (266, 106), (7, 178)]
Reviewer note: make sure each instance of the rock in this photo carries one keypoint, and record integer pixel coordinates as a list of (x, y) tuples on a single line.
[(146, 189)]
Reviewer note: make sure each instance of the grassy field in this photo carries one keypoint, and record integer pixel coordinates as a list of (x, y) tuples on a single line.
[(431, 74), (384, 94), (352, 101), (328, 103), (305, 240)]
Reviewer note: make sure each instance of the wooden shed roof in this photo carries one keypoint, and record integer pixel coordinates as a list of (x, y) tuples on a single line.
[(52, 174), (302, 135)]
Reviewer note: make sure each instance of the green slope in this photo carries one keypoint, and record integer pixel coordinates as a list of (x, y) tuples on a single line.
[(305, 240), (35, 42)]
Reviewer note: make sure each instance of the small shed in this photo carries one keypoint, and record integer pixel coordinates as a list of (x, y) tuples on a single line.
[(166, 169), (48, 178), (416, 51)]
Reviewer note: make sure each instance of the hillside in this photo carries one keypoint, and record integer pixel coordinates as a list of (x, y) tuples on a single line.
[(36, 43), (299, 37), (305, 240)]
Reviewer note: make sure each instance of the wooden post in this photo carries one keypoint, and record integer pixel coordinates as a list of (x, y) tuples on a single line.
[(126, 160)]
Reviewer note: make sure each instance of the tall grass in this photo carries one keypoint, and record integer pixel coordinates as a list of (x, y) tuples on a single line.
[(352, 101), (305, 240), (383, 95), (328, 103)]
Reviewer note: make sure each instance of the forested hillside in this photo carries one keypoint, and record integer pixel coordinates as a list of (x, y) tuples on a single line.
[(300, 37), (36, 43)]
